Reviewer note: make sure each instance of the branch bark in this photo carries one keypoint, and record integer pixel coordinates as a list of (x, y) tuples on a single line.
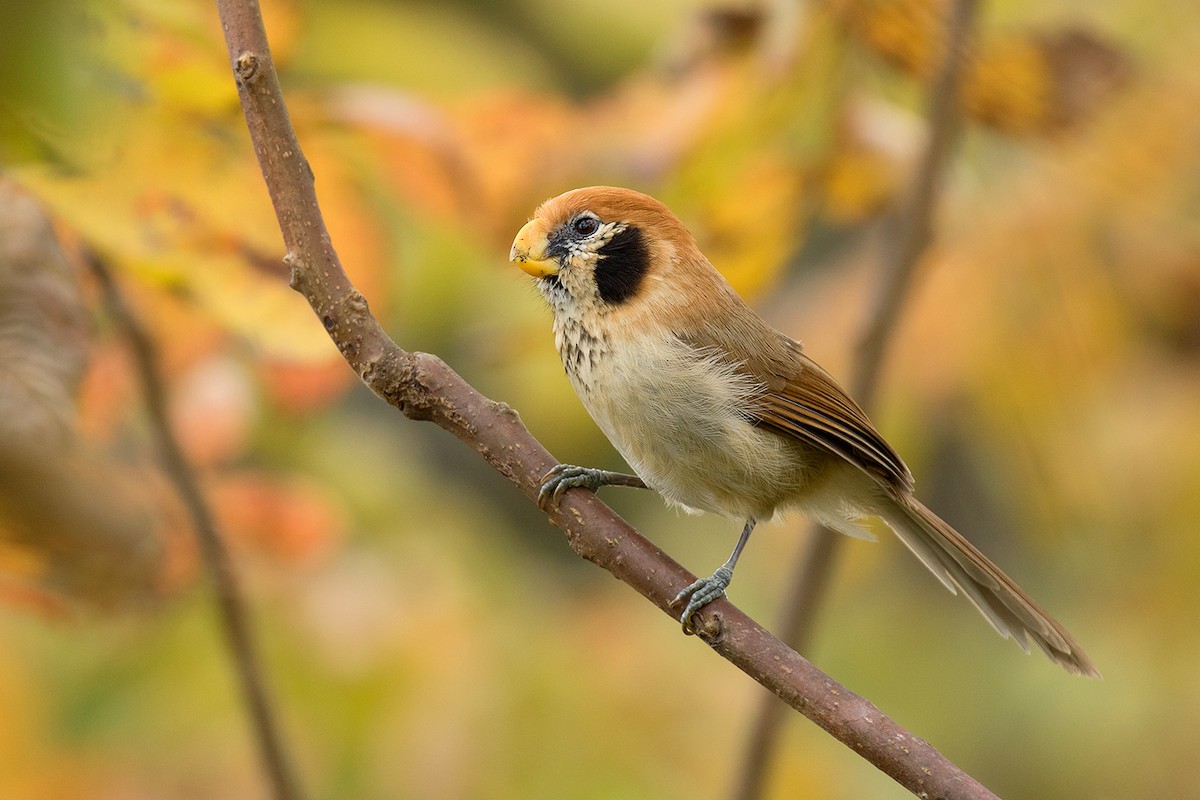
[(423, 387), (909, 236)]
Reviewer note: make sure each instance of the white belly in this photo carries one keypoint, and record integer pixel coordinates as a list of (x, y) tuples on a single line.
[(679, 418)]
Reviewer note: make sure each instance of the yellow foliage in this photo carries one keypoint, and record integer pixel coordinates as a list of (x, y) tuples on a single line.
[(1023, 83), (858, 182), (1049, 345), (1010, 86), (161, 190), (906, 33)]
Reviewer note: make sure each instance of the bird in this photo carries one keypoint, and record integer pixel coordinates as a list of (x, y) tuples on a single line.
[(719, 412)]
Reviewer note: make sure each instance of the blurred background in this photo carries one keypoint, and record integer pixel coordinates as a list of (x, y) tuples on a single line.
[(426, 632)]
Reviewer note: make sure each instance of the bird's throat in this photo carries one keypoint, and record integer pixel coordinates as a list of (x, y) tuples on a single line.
[(582, 350)]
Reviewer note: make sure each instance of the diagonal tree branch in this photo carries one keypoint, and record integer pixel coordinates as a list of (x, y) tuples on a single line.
[(423, 387), (908, 237)]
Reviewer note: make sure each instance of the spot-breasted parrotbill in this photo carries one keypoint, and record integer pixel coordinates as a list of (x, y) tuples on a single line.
[(719, 412)]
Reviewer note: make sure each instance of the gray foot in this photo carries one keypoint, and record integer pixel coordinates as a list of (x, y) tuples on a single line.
[(701, 593), (569, 476)]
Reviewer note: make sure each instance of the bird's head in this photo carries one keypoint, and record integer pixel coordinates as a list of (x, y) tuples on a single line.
[(603, 247)]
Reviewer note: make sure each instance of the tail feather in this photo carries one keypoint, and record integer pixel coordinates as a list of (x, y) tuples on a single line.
[(958, 563)]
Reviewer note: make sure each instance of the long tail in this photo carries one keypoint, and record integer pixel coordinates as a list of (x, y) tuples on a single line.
[(959, 565)]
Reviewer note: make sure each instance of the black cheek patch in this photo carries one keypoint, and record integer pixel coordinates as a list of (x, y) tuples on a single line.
[(623, 262)]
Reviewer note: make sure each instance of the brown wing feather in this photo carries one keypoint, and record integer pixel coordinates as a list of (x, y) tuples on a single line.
[(811, 406)]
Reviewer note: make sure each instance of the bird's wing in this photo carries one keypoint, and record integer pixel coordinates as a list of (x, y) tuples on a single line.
[(800, 399), (811, 406)]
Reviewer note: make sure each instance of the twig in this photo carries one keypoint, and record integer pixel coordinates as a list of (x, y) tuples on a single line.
[(910, 235), (423, 387), (231, 605)]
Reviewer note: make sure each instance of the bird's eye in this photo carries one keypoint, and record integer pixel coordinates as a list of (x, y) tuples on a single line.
[(586, 226)]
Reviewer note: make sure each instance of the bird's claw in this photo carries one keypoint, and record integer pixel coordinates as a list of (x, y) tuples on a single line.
[(700, 593), (568, 476)]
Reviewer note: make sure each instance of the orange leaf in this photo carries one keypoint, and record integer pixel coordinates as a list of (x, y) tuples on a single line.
[(288, 519)]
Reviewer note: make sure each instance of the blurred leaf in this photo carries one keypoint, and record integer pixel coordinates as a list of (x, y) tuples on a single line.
[(875, 144), (212, 411), (751, 178), (300, 387), (1023, 83), (43, 347), (160, 187), (1041, 83), (70, 520), (288, 519), (444, 50)]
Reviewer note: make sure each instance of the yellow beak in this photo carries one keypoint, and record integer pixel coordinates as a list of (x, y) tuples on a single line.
[(529, 250)]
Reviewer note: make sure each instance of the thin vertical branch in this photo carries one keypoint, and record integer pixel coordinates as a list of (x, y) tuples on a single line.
[(231, 606), (908, 237), (913, 228)]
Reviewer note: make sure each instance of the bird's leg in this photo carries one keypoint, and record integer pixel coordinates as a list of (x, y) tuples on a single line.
[(569, 476), (702, 592)]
